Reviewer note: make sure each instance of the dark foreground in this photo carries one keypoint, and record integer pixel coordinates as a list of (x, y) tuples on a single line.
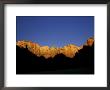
[(28, 63)]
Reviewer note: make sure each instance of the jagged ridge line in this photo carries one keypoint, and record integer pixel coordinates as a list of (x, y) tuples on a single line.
[(68, 50)]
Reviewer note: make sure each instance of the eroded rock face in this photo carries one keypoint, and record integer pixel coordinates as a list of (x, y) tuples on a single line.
[(90, 41), (69, 50), (53, 51), (44, 51), (33, 47), (50, 52), (21, 44)]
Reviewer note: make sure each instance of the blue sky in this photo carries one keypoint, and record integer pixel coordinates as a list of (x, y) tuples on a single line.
[(55, 30)]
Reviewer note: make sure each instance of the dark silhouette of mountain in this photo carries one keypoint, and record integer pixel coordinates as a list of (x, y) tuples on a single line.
[(81, 63)]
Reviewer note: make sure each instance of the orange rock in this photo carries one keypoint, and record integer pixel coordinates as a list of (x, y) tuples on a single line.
[(90, 41), (68, 50)]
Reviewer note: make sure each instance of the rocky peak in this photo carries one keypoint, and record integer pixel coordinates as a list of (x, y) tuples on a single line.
[(89, 42)]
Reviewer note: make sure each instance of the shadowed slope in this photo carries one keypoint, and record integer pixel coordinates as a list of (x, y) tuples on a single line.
[(81, 63)]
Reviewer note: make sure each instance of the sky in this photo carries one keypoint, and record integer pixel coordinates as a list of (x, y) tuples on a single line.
[(55, 31)]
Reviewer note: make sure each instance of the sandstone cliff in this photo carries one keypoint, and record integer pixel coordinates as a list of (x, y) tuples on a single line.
[(49, 52)]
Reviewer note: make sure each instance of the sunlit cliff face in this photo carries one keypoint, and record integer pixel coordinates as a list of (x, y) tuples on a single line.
[(49, 52), (90, 41)]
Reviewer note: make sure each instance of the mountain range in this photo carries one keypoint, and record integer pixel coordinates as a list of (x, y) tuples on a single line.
[(32, 58), (50, 52)]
